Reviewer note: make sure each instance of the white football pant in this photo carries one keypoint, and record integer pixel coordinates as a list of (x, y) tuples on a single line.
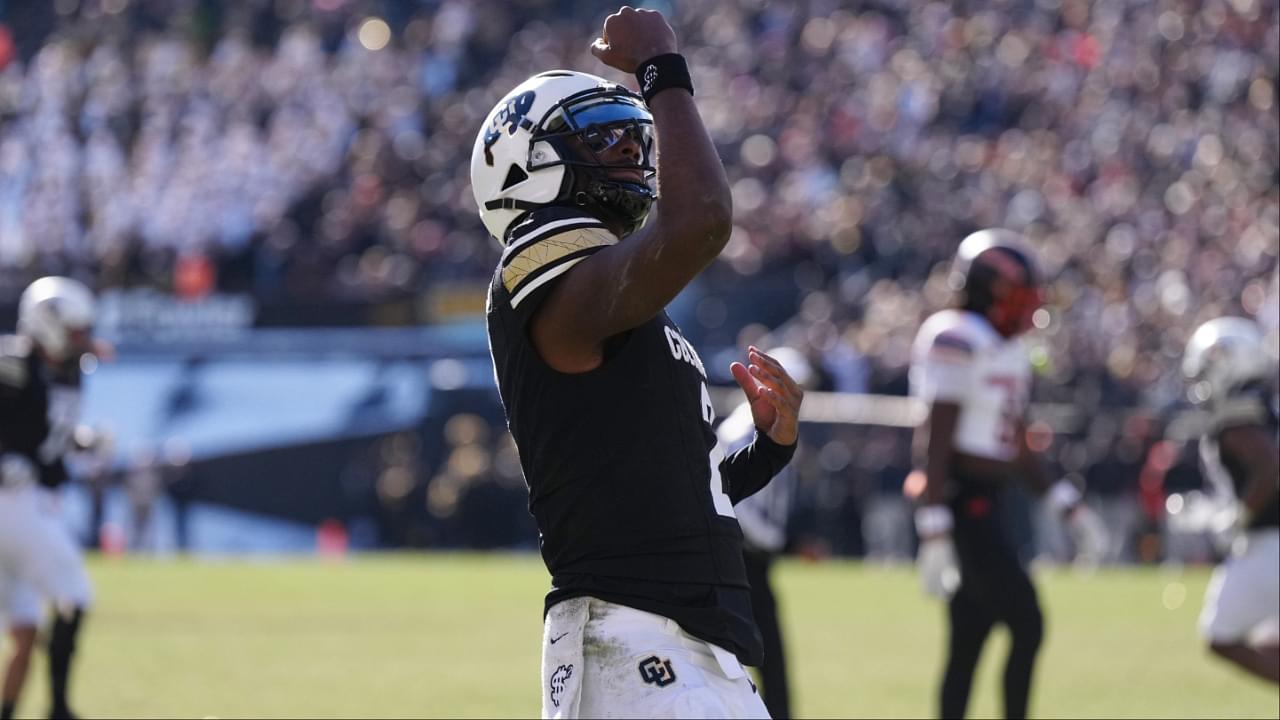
[(1244, 594), (38, 557), (603, 660)]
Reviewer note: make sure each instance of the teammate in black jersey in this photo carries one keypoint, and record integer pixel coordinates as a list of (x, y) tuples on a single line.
[(38, 414), (1234, 378), (649, 614)]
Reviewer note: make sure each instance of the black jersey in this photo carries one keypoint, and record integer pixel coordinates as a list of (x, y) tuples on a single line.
[(37, 412), (622, 464), (1250, 404)]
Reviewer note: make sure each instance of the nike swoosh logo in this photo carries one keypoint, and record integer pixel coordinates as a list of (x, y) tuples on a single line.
[(557, 639)]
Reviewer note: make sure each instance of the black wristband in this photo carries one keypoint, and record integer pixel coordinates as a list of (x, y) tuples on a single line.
[(777, 455), (663, 73)]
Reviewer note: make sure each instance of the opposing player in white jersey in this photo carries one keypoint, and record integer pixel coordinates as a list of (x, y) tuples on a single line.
[(974, 375), (1236, 382), (38, 558)]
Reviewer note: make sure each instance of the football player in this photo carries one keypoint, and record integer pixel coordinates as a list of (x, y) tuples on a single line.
[(649, 614), (1235, 380), (38, 557), (972, 372)]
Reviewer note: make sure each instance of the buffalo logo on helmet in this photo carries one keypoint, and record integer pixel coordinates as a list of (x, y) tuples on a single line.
[(555, 140)]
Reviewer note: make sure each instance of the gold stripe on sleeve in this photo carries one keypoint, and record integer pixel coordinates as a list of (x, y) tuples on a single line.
[(548, 251)]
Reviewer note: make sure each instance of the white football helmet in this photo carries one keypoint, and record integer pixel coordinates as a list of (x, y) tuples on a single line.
[(52, 312), (1226, 352), (542, 145)]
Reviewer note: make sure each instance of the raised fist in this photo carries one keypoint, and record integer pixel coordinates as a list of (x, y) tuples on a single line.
[(630, 36)]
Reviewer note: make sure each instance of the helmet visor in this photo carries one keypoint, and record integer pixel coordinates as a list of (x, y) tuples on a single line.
[(606, 129)]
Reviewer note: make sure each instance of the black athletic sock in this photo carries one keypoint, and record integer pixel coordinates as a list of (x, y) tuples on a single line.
[(62, 646), (7, 709)]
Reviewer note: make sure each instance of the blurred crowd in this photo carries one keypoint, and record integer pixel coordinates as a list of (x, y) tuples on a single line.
[(307, 150)]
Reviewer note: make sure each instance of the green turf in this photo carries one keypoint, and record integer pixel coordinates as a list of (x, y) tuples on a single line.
[(458, 636)]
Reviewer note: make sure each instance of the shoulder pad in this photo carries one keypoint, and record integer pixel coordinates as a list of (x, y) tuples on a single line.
[(1251, 404), (952, 341), (954, 332), (547, 220), (15, 346), (547, 243), (15, 356)]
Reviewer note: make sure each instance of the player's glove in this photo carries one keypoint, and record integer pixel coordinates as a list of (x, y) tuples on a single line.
[(939, 568)]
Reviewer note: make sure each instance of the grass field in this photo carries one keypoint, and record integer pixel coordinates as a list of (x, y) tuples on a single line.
[(458, 636)]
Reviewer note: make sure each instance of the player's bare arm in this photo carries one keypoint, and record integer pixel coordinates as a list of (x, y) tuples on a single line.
[(940, 431), (939, 567), (1255, 443), (622, 286)]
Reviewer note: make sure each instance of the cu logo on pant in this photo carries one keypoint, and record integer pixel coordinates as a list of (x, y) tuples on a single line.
[(656, 671)]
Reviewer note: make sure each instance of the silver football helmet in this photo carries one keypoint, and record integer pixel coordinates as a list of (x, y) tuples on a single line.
[(1226, 352), (543, 145), (57, 313)]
